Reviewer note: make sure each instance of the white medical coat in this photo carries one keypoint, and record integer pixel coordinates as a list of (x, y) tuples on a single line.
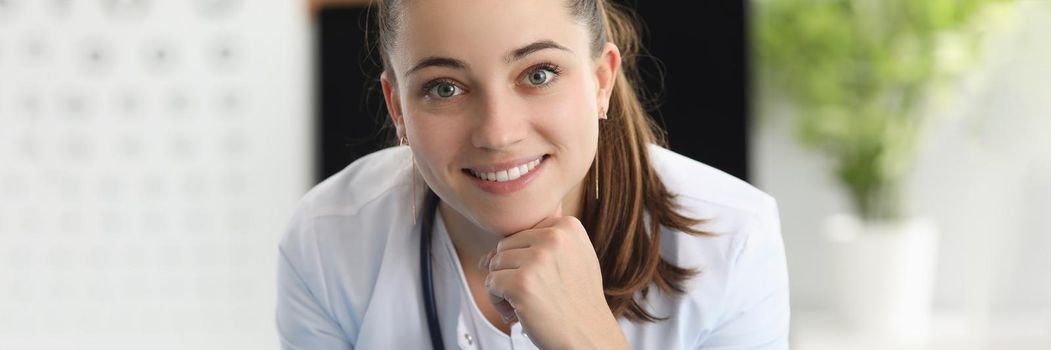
[(349, 278)]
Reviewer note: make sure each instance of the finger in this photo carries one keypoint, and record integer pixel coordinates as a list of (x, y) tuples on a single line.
[(503, 284), (564, 227), (520, 240), (503, 307), (483, 263), (495, 284), (524, 238), (509, 259)]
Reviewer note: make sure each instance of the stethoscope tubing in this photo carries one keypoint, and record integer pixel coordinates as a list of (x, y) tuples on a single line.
[(426, 275)]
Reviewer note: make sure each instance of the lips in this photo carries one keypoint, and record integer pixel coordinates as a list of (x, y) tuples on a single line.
[(506, 177), (507, 174)]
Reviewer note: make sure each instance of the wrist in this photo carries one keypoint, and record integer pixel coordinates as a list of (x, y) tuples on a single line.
[(601, 336), (603, 341)]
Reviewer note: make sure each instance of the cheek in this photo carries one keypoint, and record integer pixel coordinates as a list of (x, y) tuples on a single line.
[(438, 135), (434, 144), (568, 116)]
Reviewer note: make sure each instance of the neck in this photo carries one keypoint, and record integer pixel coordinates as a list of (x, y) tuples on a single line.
[(472, 242)]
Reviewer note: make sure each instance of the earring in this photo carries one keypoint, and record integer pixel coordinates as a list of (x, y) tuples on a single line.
[(413, 189), (601, 116), (596, 174)]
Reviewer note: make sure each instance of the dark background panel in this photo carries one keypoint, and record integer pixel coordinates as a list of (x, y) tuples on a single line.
[(349, 101), (698, 51), (704, 99)]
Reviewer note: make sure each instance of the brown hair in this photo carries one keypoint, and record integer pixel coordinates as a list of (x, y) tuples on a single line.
[(627, 245)]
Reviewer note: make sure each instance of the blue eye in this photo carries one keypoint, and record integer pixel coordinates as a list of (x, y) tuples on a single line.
[(538, 77), (442, 89), (543, 74)]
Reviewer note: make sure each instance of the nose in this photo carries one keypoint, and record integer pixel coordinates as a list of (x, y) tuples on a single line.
[(502, 122)]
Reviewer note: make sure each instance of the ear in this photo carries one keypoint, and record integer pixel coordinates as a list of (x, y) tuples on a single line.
[(607, 67), (390, 96)]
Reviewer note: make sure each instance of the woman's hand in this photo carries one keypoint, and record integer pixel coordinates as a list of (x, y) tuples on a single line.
[(549, 278)]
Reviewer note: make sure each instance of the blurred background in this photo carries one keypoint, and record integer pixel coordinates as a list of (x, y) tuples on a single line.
[(151, 152)]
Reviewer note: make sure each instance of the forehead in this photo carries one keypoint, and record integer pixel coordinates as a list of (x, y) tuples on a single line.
[(481, 31)]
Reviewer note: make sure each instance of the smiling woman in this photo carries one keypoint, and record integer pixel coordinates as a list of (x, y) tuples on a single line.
[(557, 218)]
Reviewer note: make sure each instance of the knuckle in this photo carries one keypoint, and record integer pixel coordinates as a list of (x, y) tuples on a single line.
[(542, 255), (494, 262), (579, 225), (520, 284), (554, 236), (574, 224), (491, 281)]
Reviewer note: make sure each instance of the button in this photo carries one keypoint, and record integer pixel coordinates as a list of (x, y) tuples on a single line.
[(524, 333), (470, 340)]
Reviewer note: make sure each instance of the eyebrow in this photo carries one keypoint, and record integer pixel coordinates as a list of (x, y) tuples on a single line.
[(514, 55)]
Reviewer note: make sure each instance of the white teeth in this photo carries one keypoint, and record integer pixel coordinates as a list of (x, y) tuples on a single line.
[(509, 174)]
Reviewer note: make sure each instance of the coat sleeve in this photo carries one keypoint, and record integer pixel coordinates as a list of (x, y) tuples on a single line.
[(302, 320), (756, 297)]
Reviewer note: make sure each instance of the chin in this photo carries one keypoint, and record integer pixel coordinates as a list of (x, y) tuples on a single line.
[(506, 223)]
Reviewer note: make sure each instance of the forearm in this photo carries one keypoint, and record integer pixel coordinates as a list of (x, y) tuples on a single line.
[(601, 334)]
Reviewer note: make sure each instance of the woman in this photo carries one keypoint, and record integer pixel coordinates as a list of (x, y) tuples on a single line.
[(529, 204)]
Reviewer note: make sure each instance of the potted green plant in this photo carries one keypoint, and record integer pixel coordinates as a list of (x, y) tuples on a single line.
[(859, 74)]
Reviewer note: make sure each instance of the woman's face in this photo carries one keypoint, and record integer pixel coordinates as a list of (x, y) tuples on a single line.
[(504, 89)]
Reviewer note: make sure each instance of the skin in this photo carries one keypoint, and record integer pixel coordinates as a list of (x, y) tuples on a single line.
[(535, 263)]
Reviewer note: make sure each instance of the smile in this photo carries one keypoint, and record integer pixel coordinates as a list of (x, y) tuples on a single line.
[(509, 174), (506, 177)]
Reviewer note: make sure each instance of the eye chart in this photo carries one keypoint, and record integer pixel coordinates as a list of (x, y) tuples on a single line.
[(151, 153)]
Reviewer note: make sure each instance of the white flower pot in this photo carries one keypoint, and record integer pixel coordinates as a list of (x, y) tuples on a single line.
[(884, 275)]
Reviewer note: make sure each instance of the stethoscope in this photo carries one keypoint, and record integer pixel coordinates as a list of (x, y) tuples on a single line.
[(430, 205)]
